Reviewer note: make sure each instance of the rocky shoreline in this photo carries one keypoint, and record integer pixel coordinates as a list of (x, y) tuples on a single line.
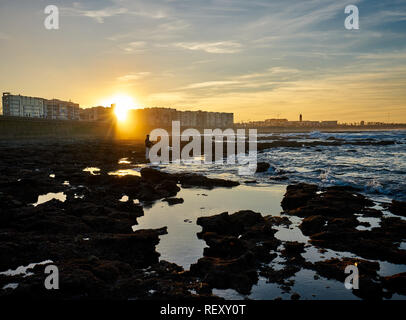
[(89, 235)]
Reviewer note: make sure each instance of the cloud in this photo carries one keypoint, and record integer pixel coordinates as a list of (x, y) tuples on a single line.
[(268, 79), (133, 76), (384, 55), (135, 46), (278, 70), (209, 84), (212, 47), (101, 14), (98, 15)]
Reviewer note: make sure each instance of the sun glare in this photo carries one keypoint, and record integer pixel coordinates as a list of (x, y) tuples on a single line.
[(123, 104)]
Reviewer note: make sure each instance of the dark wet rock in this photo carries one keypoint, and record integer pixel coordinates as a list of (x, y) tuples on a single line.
[(332, 202), (263, 167), (173, 201), (137, 248), (338, 224), (278, 221), (330, 221), (95, 278), (223, 246), (155, 175), (89, 236), (237, 245), (279, 178), (370, 286), (187, 180), (190, 180), (313, 224), (298, 195), (334, 268), (344, 188), (280, 276), (371, 212), (398, 208), (76, 217), (295, 296), (237, 273), (230, 224), (28, 189), (293, 248), (396, 283), (167, 188)]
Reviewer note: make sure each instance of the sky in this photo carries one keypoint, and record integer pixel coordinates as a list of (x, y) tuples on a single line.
[(260, 59)]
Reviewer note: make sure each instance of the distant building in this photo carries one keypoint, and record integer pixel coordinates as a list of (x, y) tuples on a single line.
[(34, 107), (300, 118), (22, 106), (276, 122), (96, 114), (290, 124), (61, 110), (199, 119), (329, 123)]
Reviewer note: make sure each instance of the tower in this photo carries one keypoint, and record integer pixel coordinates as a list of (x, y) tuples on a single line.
[(300, 118)]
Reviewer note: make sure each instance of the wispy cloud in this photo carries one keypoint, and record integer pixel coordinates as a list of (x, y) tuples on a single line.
[(98, 15), (101, 14), (384, 55), (135, 46), (133, 76), (209, 84), (212, 47)]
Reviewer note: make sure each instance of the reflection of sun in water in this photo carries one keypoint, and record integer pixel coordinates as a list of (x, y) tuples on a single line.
[(123, 103)]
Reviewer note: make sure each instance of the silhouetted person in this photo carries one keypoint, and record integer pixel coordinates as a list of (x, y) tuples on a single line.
[(148, 144)]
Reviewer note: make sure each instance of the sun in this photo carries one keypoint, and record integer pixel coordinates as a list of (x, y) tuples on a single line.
[(123, 103)]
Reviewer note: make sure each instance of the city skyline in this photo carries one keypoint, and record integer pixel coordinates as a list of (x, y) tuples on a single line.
[(123, 104), (259, 60)]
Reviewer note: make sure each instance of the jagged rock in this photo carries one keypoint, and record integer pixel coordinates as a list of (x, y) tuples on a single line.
[(293, 248), (311, 225), (262, 167), (295, 296), (173, 201), (238, 273), (189, 180), (237, 245), (154, 175), (230, 224), (298, 195), (398, 208), (369, 286), (396, 283)]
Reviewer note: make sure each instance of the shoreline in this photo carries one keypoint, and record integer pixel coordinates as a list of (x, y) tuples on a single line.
[(89, 235)]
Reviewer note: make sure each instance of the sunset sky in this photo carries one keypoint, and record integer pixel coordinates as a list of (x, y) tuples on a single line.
[(259, 59)]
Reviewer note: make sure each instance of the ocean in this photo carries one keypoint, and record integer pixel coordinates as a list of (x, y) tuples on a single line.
[(377, 170)]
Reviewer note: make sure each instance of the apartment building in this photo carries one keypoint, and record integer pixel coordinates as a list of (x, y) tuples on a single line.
[(35, 107), (200, 119), (61, 110), (22, 106)]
